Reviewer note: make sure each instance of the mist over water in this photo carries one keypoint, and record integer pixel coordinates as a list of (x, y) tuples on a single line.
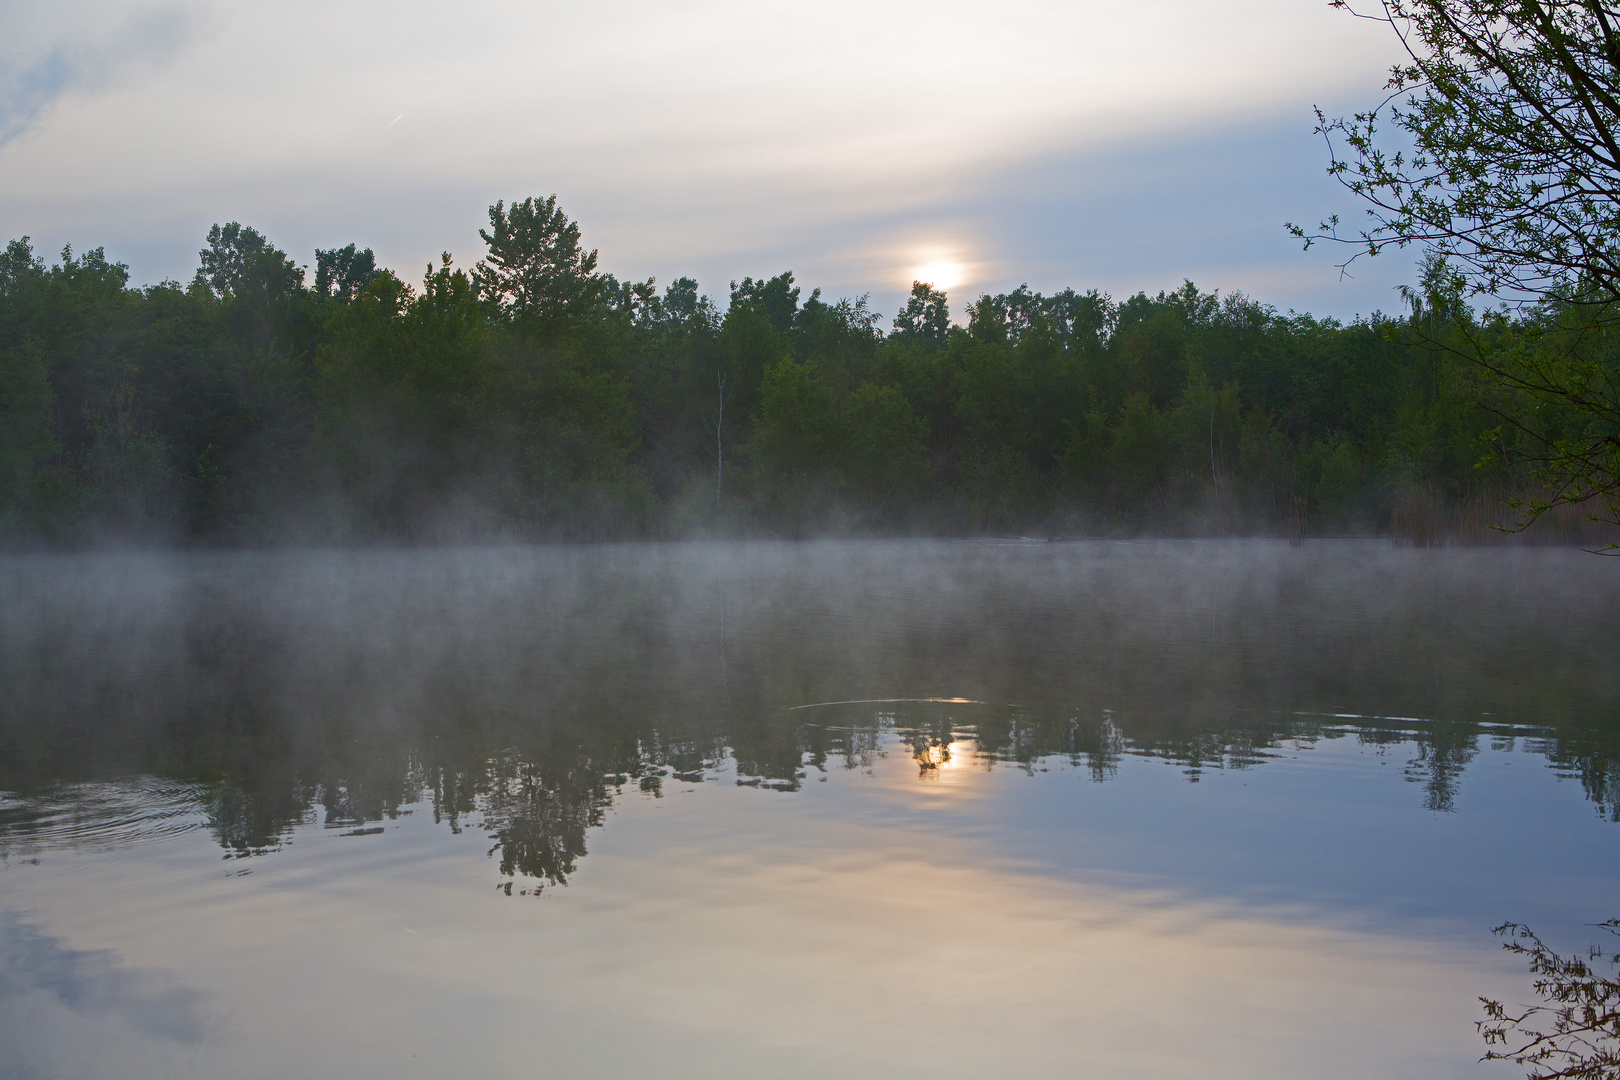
[(1145, 808)]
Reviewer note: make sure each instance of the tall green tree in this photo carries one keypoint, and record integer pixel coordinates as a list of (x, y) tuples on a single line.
[(537, 273), (340, 273), (926, 318), (1498, 150)]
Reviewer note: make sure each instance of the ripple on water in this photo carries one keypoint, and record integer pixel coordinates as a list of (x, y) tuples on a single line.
[(99, 814)]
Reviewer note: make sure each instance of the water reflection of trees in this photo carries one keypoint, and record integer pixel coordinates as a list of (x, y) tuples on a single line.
[(538, 801), (1574, 1033), (1591, 755), (538, 813), (520, 694), (253, 821)]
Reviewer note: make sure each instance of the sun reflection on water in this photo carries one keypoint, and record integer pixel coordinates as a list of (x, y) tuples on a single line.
[(939, 755)]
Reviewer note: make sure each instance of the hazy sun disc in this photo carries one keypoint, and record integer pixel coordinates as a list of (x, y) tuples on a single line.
[(941, 275)]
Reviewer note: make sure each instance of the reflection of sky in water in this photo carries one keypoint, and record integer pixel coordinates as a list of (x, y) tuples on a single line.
[(1306, 917), (1334, 826), (798, 810), (53, 996)]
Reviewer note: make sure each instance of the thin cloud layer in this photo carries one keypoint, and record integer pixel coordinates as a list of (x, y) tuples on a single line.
[(77, 48), (852, 142)]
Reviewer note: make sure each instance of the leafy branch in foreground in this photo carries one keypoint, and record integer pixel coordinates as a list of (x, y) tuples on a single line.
[(1497, 151), (1576, 1033), (1505, 154)]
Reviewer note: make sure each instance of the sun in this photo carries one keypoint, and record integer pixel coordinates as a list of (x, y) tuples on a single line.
[(942, 274)]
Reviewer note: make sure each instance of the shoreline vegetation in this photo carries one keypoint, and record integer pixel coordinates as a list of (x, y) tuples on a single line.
[(535, 397)]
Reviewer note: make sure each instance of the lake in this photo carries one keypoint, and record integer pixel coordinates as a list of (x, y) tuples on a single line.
[(866, 809)]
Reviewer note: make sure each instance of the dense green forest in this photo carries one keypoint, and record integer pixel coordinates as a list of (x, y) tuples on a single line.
[(536, 396)]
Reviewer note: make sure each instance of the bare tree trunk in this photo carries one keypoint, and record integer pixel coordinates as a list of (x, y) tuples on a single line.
[(719, 438)]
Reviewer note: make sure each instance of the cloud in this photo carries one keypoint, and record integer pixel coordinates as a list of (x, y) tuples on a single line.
[(1063, 142), (1205, 202), (95, 981), (1143, 212), (44, 63)]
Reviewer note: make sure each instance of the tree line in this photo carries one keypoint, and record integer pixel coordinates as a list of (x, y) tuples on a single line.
[(537, 396)]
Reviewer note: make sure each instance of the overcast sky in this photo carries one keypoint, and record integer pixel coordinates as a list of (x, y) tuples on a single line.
[(1079, 143)]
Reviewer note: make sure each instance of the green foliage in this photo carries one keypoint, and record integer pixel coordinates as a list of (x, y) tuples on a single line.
[(869, 440), (777, 299), (539, 277), (535, 396), (926, 318), (1505, 165), (238, 261), (129, 476), (342, 272), (1140, 454), (1555, 387), (884, 452), (31, 474), (1335, 470), (1510, 112), (800, 427)]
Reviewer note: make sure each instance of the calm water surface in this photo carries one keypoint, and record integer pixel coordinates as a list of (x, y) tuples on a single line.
[(859, 809)]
